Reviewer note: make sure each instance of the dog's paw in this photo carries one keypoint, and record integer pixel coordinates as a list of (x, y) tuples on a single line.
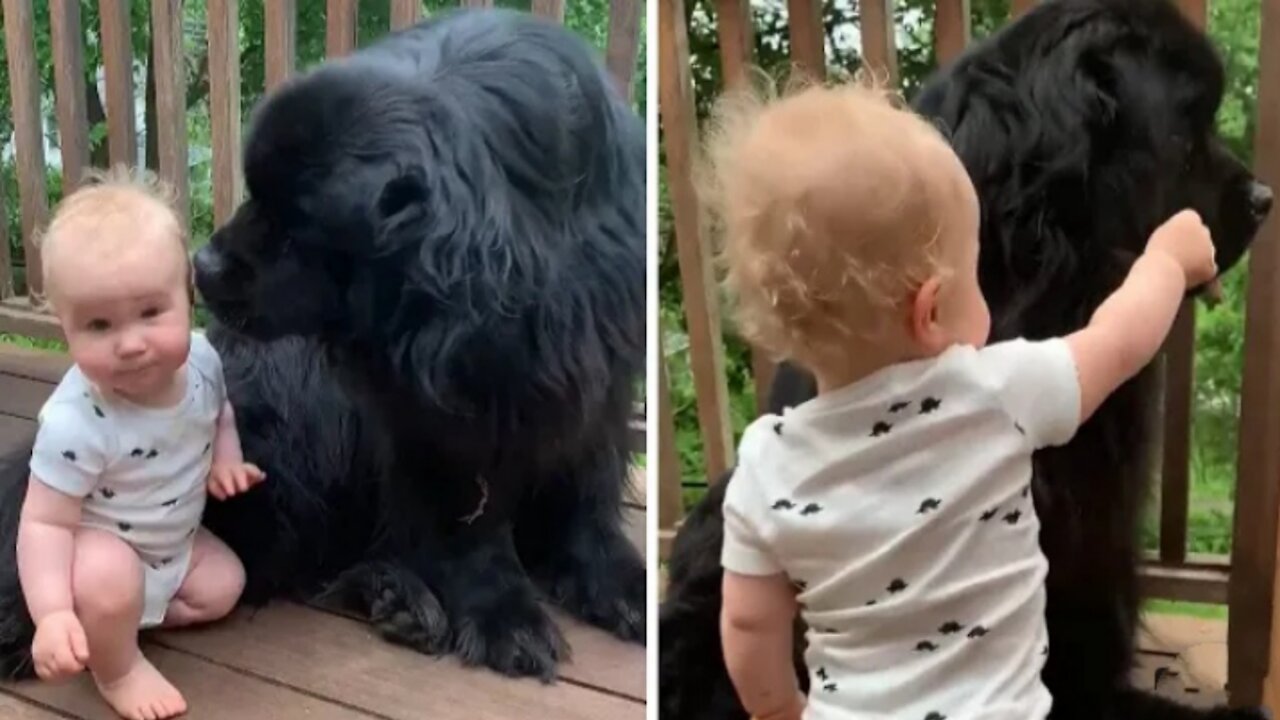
[(607, 590), (418, 622), (515, 638), (396, 602)]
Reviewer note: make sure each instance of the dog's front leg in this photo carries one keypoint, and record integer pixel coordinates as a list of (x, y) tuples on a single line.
[(492, 607), (570, 536)]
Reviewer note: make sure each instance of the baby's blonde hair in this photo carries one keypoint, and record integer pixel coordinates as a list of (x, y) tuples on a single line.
[(116, 205), (830, 202)]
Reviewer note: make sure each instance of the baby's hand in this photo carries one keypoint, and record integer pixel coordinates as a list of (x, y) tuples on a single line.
[(60, 648), (1186, 240), (228, 479)]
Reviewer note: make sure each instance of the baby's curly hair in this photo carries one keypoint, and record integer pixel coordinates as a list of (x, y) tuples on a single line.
[(829, 202), (114, 205)]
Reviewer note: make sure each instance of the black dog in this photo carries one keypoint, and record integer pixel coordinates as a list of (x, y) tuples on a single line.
[(431, 313), (1083, 125)]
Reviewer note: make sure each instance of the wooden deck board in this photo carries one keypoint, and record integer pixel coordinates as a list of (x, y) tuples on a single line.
[(14, 432), (18, 708), (22, 397), (290, 661), (331, 656), (211, 691)]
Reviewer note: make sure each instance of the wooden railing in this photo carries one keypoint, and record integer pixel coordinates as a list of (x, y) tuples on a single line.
[(22, 314), (1244, 581)]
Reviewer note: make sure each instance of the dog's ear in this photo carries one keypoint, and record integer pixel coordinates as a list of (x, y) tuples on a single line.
[(401, 208), (1041, 139), (402, 193)]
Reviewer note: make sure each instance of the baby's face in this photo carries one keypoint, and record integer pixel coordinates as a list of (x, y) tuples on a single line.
[(128, 320)]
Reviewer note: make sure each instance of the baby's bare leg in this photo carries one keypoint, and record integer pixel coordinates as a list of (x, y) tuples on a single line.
[(212, 586), (106, 586)]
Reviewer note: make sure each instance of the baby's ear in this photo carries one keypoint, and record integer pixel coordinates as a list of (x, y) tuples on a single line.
[(924, 328)]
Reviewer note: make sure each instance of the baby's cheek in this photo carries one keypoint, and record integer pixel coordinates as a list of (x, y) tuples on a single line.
[(173, 341), (94, 357)]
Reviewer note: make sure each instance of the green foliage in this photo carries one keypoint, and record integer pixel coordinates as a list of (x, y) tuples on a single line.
[(33, 343), (1234, 26), (1186, 609)]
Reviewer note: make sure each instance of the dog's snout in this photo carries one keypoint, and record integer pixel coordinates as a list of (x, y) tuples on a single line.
[(212, 274), (209, 262), (1260, 199)]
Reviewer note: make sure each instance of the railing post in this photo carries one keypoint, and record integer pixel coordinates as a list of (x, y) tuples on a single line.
[(117, 68), (68, 78), (405, 13), (171, 97), (879, 51), (702, 310), (224, 105), (950, 29), (280, 22), (808, 41), (340, 27), (622, 43), (550, 9), (1178, 359), (24, 87), (1253, 549)]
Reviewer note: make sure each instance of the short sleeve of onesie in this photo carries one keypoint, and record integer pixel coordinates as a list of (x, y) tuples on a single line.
[(1039, 385), (205, 360), (71, 447), (745, 551)]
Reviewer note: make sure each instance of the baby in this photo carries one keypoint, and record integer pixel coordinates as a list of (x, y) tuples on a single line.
[(136, 433), (894, 510)]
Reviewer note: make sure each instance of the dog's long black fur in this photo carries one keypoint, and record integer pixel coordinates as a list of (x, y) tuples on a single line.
[(430, 309), (1083, 125)]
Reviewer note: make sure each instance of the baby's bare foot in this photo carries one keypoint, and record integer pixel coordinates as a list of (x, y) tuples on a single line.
[(143, 693)]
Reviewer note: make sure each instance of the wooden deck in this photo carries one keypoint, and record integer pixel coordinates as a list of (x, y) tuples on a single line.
[(1183, 658), (291, 661)]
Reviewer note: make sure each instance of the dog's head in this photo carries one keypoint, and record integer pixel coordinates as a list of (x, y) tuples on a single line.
[(1084, 125), (436, 175), (333, 166)]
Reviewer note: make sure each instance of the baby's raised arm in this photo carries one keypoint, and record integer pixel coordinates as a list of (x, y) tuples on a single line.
[(1128, 328)]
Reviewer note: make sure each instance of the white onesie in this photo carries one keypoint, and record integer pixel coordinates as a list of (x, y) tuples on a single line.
[(141, 471), (900, 509)]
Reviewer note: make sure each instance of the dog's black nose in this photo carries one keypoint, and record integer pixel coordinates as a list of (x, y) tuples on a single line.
[(1260, 199), (211, 269), (208, 262)]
